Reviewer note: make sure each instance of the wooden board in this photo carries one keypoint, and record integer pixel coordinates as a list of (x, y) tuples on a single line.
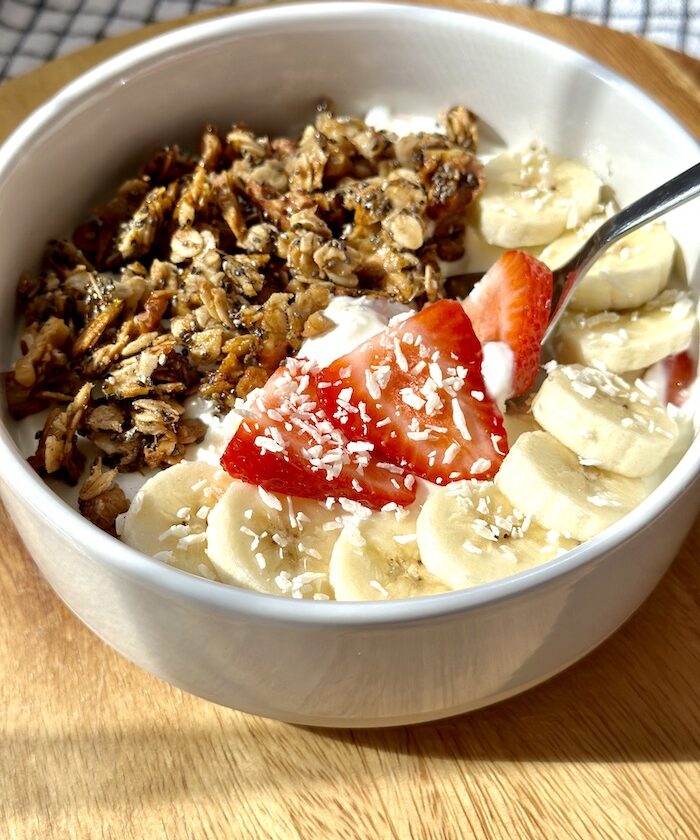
[(91, 747)]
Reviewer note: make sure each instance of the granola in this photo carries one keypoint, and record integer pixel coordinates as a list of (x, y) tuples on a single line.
[(204, 272)]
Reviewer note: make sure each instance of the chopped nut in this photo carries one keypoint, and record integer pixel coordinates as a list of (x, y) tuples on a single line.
[(305, 167), (105, 355), (167, 165), (106, 418), (462, 128), (308, 220), (42, 351), (93, 331), (147, 221), (244, 274), (205, 347), (229, 205), (272, 174), (216, 301), (337, 262), (153, 310), (300, 257), (245, 144), (317, 324), (211, 148), (100, 499), (194, 198), (252, 378), (260, 238), (57, 453)]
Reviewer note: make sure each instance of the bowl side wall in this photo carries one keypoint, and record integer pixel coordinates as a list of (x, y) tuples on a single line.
[(324, 675)]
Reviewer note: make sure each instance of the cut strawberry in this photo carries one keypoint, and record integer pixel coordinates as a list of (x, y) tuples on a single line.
[(680, 373), (511, 303), (416, 392), (285, 444)]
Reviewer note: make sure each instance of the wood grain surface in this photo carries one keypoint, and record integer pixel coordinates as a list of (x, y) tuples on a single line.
[(92, 747)]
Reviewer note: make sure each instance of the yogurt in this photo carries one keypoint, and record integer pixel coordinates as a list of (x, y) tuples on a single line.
[(356, 320)]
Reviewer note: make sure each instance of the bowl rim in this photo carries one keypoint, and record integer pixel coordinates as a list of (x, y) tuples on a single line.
[(106, 550)]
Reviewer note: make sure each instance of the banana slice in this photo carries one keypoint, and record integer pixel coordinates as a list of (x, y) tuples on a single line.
[(631, 340), (377, 558), (272, 543), (540, 476), (686, 436), (168, 516), (469, 533), (630, 273), (606, 421), (532, 197)]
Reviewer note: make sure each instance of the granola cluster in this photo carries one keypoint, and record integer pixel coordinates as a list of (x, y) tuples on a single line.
[(205, 271)]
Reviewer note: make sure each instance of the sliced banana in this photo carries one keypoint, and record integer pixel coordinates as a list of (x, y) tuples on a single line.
[(377, 558), (606, 421), (631, 340), (272, 543), (532, 197), (630, 273), (540, 476), (469, 533), (686, 435), (168, 516)]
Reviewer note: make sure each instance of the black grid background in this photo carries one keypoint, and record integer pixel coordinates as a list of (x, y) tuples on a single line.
[(34, 31)]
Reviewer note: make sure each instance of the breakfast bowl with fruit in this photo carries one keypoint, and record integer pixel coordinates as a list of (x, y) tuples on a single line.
[(261, 435)]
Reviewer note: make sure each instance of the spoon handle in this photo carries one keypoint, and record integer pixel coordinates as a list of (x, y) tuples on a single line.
[(647, 208)]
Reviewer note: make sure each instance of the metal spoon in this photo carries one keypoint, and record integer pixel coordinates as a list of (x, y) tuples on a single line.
[(645, 209)]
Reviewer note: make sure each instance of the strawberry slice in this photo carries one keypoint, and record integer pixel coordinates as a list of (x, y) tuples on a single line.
[(511, 303), (680, 372), (285, 444), (416, 392)]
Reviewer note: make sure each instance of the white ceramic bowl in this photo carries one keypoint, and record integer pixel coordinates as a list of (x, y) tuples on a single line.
[(336, 663)]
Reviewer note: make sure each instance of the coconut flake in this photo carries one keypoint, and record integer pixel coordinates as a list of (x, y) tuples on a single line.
[(459, 420), (269, 499)]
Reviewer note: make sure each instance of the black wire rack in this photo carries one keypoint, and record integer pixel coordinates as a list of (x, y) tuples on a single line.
[(34, 31)]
